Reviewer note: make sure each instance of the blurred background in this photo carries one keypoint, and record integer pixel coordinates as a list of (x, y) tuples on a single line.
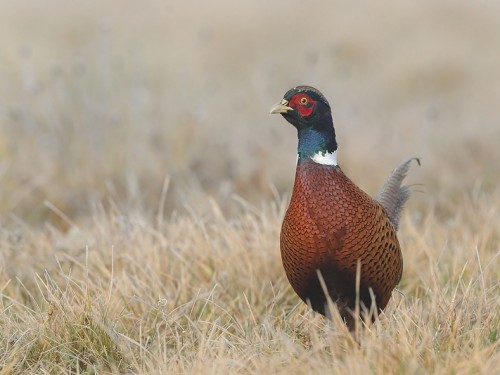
[(102, 101)]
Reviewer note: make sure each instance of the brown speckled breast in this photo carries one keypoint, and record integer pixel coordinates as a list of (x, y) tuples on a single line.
[(330, 225)]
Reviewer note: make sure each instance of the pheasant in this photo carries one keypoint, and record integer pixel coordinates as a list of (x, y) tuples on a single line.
[(335, 239)]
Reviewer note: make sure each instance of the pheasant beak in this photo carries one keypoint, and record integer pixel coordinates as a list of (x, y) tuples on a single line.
[(281, 107)]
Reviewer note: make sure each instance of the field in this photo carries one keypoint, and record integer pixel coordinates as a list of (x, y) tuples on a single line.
[(143, 183)]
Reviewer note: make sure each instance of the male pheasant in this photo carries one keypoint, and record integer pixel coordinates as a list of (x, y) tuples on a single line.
[(332, 230)]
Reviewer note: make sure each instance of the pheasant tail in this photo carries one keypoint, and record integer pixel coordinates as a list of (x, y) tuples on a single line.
[(393, 196)]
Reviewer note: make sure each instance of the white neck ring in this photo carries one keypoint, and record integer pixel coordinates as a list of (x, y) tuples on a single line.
[(325, 158)]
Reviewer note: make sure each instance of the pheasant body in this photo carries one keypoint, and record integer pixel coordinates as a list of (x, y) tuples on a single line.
[(332, 228), (329, 226)]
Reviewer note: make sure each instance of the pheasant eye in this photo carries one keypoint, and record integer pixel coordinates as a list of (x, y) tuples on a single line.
[(303, 100)]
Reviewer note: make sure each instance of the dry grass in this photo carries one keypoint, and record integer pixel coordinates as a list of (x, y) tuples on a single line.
[(143, 183), (202, 292)]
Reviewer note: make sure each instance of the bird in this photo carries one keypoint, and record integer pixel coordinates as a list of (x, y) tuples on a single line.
[(337, 242)]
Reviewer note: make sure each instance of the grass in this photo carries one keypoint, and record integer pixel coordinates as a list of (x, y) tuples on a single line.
[(205, 292), (144, 184)]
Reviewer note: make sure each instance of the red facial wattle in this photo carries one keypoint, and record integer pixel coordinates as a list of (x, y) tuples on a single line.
[(303, 103)]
